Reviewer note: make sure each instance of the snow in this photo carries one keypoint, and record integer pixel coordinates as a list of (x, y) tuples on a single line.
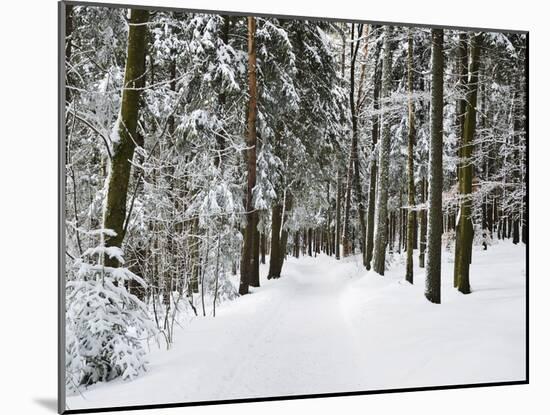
[(330, 326)]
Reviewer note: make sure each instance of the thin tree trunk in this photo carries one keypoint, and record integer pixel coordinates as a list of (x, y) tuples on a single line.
[(297, 244), (262, 248), (337, 237), (410, 163), (255, 275), (463, 246)]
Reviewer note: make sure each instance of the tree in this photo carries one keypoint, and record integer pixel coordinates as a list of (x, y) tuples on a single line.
[(353, 177), (381, 213), (410, 165), (247, 259), (373, 172), (465, 229), (124, 137), (435, 178)]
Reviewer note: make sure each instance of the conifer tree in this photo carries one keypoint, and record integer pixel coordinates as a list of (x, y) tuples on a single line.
[(435, 177)]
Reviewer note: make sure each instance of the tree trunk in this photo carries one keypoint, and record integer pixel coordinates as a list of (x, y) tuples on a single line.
[(423, 224), (373, 170), (262, 248), (462, 62), (247, 261), (338, 229), (255, 275), (465, 230), (518, 118), (354, 143), (123, 148), (433, 266), (381, 213), (276, 254), (279, 237), (410, 165)]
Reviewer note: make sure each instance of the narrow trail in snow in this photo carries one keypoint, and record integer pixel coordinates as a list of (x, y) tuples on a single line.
[(306, 341)]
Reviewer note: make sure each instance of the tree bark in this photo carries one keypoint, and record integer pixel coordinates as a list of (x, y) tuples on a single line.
[(262, 248), (433, 266), (247, 261), (410, 164), (381, 213), (275, 255), (465, 229), (353, 178), (255, 275), (123, 148), (462, 62), (423, 225), (279, 237), (338, 234), (373, 170)]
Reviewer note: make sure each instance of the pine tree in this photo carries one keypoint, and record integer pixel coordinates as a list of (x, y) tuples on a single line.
[(247, 260), (465, 230), (373, 172), (381, 213), (435, 180), (410, 165)]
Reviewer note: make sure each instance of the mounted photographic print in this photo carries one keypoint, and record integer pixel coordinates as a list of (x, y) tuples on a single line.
[(258, 207)]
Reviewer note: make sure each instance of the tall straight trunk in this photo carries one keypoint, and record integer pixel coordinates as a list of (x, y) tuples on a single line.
[(328, 236), (338, 230), (462, 64), (465, 230), (423, 225), (355, 106), (401, 222), (373, 172), (255, 274), (262, 248), (518, 118), (433, 266), (346, 228), (279, 237), (194, 260), (123, 149), (276, 254), (381, 213), (247, 260), (410, 163), (353, 178)]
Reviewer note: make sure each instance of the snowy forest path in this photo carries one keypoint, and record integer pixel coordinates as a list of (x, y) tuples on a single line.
[(305, 342), (328, 326)]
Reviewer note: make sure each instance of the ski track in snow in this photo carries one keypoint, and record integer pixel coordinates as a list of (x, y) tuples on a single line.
[(329, 326)]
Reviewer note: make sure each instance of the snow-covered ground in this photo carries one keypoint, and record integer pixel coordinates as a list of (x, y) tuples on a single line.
[(330, 326)]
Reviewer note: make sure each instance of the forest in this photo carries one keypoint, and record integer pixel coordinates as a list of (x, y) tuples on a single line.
[(209, 158)]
